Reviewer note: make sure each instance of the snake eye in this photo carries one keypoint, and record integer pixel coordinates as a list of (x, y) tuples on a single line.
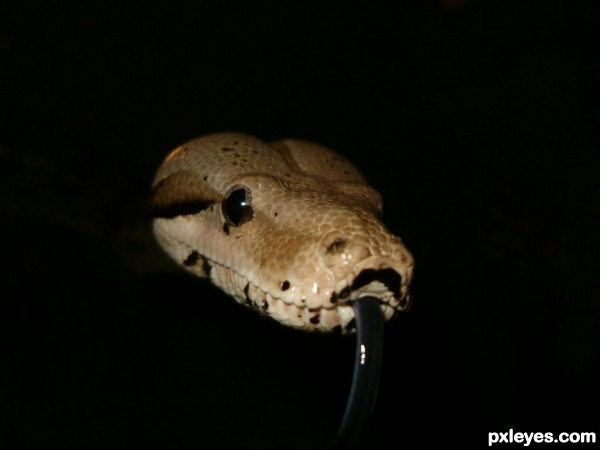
[(236, 206)]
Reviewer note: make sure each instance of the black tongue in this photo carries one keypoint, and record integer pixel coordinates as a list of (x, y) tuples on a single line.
[(367, 371)]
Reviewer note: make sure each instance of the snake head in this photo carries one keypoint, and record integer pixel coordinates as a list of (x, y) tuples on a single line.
[(288, 228)]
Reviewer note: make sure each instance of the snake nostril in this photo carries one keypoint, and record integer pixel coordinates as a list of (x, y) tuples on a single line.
[(336, 245)]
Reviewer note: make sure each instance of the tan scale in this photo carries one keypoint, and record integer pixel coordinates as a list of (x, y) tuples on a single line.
[(314, 243)]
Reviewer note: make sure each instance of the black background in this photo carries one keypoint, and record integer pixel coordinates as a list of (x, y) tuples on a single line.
[(476, 120)]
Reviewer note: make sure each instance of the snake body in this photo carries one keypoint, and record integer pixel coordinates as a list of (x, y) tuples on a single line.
[(289, 228)]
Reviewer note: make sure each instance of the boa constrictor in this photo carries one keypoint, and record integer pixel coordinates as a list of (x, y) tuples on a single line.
[(291, 229)]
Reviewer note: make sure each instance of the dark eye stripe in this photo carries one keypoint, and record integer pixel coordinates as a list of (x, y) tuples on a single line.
[(180, 209), (181, 194)]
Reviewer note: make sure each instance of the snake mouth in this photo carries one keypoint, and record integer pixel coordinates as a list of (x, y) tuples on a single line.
[(387, 277), (375, 278), (383, 282), (375, 282)]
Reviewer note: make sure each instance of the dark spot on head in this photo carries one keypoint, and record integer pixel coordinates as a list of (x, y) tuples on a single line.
[(237, 155), (336, 245), (346, 172), (234, 163), (315, 320), (244, 160), (227, 149), (226, 228), (247, 299), (351, 325), (205, 177), (206, 266), (236, 142), (337, 329), (276, 214), (285, 285), (288, 174), (192, 259), (344, 293), (334, 298)]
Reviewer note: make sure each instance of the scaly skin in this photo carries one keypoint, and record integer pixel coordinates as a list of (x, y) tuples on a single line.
[(312, 241)]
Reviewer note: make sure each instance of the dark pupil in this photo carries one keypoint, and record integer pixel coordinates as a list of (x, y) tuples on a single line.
[(235, 205)]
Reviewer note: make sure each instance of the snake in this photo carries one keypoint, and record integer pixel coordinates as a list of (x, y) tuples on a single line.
[(292, 230)]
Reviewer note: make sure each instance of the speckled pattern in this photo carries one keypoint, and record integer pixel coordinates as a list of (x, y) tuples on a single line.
[(311, 241)]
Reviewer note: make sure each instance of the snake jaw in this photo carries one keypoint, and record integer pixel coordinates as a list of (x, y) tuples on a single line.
[(375, 277)]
